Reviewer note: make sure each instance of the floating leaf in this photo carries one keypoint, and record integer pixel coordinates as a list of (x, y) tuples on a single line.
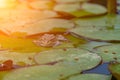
[(73, 58)]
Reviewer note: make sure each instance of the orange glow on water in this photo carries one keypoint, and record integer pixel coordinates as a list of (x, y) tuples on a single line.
[(7, 3)]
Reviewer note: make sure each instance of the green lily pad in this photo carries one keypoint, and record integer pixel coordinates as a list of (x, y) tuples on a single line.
[(91, 22), (109, 52), (104, 28), (81, 10), (90, 77), (67, 7), (73, 58), (89, 10), (97, 34), (92, 44), (94, 8), (43, 72), (115, 70), (81, 13)]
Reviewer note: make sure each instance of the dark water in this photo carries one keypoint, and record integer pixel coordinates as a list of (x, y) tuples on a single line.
[(118, 7), (102, 69)]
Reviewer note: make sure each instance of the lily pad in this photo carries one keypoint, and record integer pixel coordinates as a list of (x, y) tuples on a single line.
[(109, 52), (90, 77), (20, 18), (94, 8), (79, 10), (97, 34), (74, 58), (43, 72), (91, 22), (69, 1), (89, 10), (92, 44), (81, 14), (104, 28), (67, 7), (115, 70), (42, 5), (17, 58), (45, 26)]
